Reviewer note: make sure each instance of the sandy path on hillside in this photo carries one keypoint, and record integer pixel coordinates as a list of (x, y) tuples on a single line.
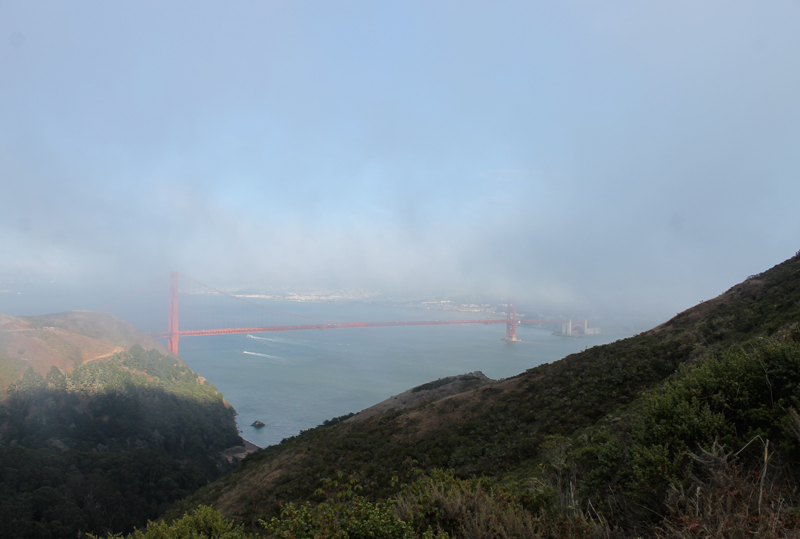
[(116, 350)]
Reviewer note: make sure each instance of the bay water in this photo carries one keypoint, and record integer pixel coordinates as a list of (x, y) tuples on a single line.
[(295, 380)]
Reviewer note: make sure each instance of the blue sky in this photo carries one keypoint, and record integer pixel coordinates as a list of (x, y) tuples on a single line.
[(629, 156)]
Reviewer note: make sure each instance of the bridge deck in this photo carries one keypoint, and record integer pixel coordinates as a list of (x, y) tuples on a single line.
[(347, 325)]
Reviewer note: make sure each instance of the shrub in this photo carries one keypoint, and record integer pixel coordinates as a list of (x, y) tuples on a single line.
[(730, 401), (479, 508), (343, 514), (203, 523)]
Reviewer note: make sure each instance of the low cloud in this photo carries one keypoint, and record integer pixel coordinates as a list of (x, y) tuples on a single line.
[(631, 158)]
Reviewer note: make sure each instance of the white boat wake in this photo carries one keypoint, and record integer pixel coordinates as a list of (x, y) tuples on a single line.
[(276, 339), (276, 358)]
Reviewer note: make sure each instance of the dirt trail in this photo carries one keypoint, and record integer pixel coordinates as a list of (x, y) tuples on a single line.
[(117, 349)]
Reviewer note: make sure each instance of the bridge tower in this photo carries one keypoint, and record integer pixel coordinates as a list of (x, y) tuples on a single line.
[(173, 314), (511, 321)]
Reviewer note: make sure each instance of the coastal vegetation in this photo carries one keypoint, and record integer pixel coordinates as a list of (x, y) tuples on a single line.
[(689, 429), (107, 446)]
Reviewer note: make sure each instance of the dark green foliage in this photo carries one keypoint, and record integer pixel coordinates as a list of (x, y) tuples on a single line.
[(108, 446), (342, 513), (743, 396), (436, 383), (626, 465), (31, 383), (55, 379), (169, 372), (46, 493), (336, 420), (202, 523), (115, 405)]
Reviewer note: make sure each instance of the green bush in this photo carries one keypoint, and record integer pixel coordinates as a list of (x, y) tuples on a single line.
[(202, 523), (746, 396), (343, 514)]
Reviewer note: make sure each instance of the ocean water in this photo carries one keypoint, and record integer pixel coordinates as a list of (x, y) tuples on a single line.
[(295, 380)]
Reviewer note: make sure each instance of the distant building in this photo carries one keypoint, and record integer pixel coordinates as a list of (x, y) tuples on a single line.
[(575, 328)]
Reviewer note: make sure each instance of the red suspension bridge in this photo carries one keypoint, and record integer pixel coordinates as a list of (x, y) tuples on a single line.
[(214, 312)]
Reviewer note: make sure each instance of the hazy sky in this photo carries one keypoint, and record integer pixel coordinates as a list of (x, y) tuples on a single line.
[(596, 155)]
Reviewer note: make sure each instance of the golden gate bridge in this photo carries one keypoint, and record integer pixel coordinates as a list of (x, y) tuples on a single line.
[(237, 314)]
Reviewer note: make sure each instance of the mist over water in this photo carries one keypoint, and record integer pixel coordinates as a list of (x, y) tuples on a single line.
[(293, 381)]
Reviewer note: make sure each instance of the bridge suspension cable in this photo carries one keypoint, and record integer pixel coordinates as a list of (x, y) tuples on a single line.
[(205, 310)]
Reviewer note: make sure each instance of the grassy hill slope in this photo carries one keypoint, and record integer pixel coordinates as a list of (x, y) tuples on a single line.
[(570, 423), (101, 326)]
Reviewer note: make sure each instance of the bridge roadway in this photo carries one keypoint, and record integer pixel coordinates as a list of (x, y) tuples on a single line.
[(173, 333), (348, 325)]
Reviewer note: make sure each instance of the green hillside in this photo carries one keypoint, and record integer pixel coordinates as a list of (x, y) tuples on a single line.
[(602, 440), (107, 445)]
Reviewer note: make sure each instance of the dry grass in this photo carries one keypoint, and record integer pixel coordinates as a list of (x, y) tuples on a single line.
[(728, 503)]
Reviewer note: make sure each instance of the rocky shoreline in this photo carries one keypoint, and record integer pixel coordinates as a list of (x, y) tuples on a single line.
[(239, 452)]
